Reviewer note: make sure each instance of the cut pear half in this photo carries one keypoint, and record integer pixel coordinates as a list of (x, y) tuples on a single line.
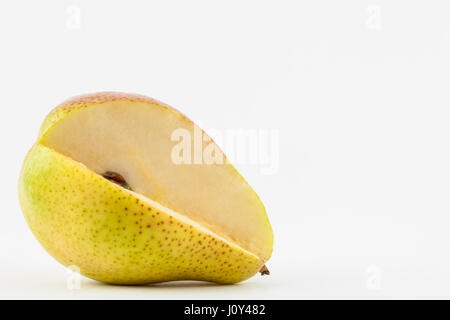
[(151, 148)]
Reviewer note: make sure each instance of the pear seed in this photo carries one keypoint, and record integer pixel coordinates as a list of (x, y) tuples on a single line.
[(116, 178)]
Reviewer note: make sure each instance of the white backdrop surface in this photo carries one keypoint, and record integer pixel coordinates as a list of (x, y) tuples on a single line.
[(357, 93)]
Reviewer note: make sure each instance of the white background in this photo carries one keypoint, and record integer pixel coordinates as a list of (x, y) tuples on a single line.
[(358, 91)]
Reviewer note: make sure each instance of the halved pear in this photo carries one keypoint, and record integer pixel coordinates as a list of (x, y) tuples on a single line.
[(101, 190)]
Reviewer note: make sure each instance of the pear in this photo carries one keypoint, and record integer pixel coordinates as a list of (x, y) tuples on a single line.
[(115, 185)]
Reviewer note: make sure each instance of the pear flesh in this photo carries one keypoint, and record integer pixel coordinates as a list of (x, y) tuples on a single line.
[(101, 190)]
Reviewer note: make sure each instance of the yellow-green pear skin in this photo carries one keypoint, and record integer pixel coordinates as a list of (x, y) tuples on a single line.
[(114, 236)]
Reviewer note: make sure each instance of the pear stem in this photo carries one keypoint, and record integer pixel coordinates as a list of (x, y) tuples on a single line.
[(264, 271)]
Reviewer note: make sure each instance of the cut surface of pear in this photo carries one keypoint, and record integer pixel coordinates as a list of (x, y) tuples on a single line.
[(134, 139), (197, 221)]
